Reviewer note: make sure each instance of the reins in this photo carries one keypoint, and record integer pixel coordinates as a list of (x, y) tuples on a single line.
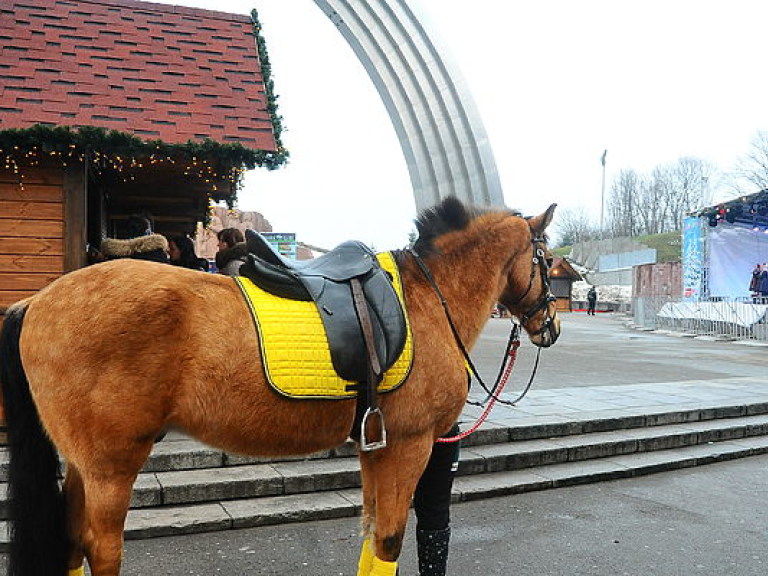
[(510, 354)]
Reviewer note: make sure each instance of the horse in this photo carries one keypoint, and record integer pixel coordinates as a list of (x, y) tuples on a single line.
[(99, 363)]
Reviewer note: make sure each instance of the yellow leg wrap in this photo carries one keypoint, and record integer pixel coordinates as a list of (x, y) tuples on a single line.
[(382, 568), (77, 571), (366, 558)]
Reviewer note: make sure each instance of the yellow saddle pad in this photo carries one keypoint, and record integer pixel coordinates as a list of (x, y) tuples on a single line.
[(294, 349)]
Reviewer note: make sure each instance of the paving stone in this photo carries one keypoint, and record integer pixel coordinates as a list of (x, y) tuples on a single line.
[(146, 492), (285, 509), (240, 460), (348, 449), (535, 431), (154, 522), (468, 488), (219, 484), (517, 455), (470, 462), (182, 455), (354, 496), (584, 472), (489, 433), (319, 475), (615, 423), (758, 408), (758, 444), (652, 462)]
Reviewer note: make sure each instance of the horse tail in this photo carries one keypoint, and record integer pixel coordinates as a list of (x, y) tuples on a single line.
[(38, 540)]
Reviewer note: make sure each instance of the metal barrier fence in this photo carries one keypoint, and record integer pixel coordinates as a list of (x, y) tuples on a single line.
[(737, 318)]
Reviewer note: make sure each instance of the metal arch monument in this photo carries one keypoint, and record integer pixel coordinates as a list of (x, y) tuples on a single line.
[(439, 128)]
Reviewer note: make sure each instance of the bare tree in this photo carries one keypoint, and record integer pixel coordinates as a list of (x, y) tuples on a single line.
[(651, 210), (622, 202), (751, 174), (657, 203), (573, 226), (688, 186)]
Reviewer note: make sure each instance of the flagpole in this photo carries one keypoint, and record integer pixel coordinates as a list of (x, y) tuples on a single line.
[(602, 197)]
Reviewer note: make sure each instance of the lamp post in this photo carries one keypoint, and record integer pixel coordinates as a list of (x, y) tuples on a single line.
[(602, 197)]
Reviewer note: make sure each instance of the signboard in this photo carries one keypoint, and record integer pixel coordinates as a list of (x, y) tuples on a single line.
[(283, 242), (693, 259)]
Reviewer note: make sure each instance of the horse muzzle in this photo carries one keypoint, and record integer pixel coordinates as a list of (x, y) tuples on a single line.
[(548, 334)]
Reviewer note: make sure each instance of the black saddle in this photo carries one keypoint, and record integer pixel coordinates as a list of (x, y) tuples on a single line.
[(328, 281)]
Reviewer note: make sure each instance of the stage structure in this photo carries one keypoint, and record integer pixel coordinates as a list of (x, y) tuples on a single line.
[(439, 128), (722, 244)]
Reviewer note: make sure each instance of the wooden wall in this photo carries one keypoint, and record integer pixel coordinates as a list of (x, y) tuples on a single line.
[(562, 289), (32, 245)]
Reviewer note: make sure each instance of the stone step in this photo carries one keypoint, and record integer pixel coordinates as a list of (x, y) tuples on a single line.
[(179, 452), (245, 495), (271, 510), (326, 474), (578, 448)]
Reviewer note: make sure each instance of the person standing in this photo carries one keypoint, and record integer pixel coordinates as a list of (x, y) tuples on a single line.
[(762, 284), (141, 242), (755, 279), (432, 504), (591, 301), (232, 251), (181, 250)]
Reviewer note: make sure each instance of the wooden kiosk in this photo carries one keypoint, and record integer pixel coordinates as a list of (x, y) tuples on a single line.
[(109, 108)]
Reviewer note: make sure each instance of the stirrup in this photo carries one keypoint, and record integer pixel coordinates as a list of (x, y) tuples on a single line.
[(366, 446)]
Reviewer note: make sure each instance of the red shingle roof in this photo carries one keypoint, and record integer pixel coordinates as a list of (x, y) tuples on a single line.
[(156, 71)]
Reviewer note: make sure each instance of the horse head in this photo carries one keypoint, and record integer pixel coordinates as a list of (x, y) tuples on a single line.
[(527, 293)]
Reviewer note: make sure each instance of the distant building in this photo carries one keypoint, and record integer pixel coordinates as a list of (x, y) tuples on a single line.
[(206, 242), (561, 277)]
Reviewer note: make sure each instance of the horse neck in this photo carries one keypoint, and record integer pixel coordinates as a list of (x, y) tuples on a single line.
[(470, 282)]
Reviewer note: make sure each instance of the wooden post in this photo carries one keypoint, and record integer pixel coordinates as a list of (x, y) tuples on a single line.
[(75, 221)]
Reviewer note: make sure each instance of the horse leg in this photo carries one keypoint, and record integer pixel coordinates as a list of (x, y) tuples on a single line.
[(75, 501), (393, 473), (369, 513), (107, 498)]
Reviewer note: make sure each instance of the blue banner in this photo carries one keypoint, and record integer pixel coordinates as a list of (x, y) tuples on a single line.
[(693, 259)]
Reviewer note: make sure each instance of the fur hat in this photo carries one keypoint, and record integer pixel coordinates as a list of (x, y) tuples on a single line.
[(114, 248)]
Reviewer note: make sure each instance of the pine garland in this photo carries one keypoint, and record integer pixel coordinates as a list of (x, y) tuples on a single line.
[(121, 152), (269, 85)]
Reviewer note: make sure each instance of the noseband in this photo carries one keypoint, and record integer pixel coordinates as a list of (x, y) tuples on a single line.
[(539, 261)]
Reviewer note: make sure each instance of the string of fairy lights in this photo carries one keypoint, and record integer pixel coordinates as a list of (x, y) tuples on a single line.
[(124, 168), (220, 167), (121, 155)]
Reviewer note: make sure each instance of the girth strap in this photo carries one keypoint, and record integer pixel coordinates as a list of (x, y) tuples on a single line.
[(370, 403)]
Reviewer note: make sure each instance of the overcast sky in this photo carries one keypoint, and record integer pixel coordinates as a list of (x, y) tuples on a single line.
[(556, 82)]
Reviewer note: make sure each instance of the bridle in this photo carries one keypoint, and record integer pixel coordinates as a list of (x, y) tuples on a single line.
[(539, 260)]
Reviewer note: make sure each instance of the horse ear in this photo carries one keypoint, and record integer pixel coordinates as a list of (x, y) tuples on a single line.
[(540, 223)]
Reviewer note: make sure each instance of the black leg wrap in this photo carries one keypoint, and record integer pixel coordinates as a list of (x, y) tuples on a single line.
[(432, 548)]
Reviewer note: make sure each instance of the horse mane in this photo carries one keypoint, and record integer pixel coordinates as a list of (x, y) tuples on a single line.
[(450, 215)]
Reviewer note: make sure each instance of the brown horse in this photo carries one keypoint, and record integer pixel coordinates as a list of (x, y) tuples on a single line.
[(99, 363)]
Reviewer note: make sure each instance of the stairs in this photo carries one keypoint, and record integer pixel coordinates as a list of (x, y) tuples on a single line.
[(187, 487)]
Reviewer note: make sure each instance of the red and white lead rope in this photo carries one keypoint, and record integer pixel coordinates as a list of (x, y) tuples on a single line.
[(492, 401)]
